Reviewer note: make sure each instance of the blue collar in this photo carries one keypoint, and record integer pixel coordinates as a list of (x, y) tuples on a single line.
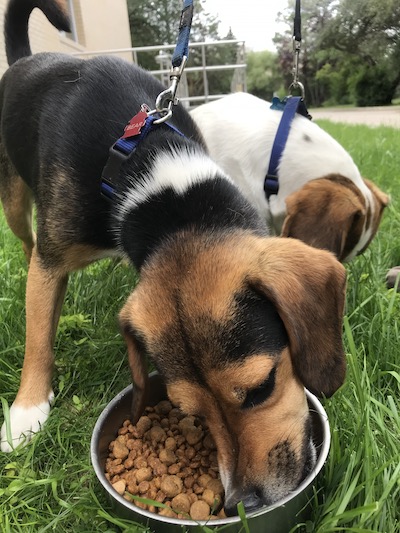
[(123, 148), (290, 106)]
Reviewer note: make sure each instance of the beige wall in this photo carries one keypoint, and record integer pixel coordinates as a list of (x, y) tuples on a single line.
[(100, 25)]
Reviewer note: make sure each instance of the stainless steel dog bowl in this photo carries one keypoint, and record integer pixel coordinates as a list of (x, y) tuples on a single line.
[(278, 518)]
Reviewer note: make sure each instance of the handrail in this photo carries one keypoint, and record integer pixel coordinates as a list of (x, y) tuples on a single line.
[(239, 69), (156, 47)]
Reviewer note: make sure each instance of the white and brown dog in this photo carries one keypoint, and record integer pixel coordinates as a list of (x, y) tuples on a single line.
[(322, 198), (237, 323)]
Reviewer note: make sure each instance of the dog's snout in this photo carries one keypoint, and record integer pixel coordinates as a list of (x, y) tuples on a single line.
[(251, 501)]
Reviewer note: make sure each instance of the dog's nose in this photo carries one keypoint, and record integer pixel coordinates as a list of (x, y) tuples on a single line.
[(251, 501)]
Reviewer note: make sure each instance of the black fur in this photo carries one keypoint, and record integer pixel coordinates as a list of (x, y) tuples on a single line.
[(257, 327), (61, 114), (16, 24), (210, 206)]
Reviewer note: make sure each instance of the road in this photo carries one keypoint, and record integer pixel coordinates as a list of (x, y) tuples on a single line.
[(370, 116)]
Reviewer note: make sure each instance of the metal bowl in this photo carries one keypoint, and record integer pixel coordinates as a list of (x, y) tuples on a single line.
[(278, 518)]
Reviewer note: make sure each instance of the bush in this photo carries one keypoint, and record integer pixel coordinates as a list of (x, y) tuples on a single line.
[(372, 86)]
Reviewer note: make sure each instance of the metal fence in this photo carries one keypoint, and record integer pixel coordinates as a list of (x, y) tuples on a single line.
[(162, 55)]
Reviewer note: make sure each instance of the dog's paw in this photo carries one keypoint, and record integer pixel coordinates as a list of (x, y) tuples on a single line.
[(392, 276), (24, 423)]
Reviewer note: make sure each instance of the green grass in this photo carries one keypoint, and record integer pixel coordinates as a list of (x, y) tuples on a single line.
[(49, 485)]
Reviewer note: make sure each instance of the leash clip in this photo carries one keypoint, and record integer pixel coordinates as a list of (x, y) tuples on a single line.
[(296, 84), (166, 99), (296, 54)]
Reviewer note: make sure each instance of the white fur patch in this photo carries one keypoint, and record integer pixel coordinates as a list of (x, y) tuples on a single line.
[(178, 170), (226, 479), (243, 150), (24, 422)]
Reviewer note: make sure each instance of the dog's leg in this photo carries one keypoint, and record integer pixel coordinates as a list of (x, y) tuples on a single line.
[(44, 297), (17, 204)]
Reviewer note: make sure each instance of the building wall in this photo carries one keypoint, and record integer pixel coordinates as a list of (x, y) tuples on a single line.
[(100, 25)]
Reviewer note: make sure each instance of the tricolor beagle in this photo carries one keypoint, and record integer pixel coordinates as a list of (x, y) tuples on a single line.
[(236, 322), (322, 198)]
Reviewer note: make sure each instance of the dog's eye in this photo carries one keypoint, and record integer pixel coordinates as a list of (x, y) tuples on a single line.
[(261, 393)]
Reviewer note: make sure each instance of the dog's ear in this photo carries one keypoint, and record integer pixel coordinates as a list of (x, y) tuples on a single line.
[(326, 214), (138, 366), (307, 286), (382, 198)]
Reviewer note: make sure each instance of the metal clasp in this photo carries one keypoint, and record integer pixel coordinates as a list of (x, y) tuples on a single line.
[(295, 83), (166, 99)]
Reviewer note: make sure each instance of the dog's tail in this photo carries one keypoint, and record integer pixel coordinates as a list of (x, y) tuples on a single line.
[(16, 24)]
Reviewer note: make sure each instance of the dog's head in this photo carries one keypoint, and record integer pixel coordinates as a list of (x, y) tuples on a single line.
[(333, 214), (238, 326)]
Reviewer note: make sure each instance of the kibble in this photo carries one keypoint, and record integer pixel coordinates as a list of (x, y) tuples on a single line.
[(200, 510), (168, 458)]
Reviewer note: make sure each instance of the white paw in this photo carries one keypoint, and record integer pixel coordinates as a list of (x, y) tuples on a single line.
[(24, 422)]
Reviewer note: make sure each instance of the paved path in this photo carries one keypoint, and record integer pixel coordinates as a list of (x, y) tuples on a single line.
[(371, 116)]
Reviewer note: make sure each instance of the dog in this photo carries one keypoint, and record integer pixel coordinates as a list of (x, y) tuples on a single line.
[(322, 198), (237, 322)]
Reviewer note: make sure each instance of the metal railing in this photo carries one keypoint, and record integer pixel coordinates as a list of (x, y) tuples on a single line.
[(162, 56)]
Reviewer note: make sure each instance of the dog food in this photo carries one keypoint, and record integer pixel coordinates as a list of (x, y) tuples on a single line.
[(170, 458)]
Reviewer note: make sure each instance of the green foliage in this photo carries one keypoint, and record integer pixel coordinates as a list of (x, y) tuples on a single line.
[(334, 79), (372, 86), (157, 23), (263, 77), (350, 50)]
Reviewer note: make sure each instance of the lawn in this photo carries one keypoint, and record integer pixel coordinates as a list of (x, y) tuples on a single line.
[(49, 485)]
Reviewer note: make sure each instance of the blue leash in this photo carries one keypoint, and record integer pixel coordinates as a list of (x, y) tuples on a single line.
[(182, 44), (289, 108), (145, 120), (166, 99)]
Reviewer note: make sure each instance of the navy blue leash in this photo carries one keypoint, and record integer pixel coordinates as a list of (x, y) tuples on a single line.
[(297, 22), (166, 99), (185, 24), (289, 108)]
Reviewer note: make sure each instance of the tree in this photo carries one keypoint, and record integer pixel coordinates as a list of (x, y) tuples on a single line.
[(350, 50), (263, 76), (315, 15), (157, 22), (368, 32)]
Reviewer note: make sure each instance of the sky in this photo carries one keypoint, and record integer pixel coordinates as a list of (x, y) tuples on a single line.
[(253, 21)]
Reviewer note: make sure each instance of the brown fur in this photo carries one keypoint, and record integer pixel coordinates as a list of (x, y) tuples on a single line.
[(257, 431), (205, 276), (330, 213), (17, 202), (45, 292), (200, 278)]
